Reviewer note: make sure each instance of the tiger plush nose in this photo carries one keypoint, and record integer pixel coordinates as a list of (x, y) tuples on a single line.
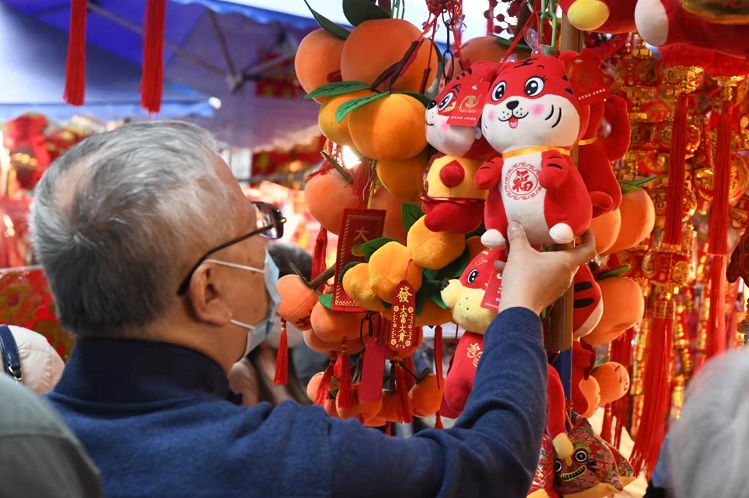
[(511, 105)]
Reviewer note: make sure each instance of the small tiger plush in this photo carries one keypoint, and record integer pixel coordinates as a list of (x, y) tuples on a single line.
[(533, 119), (450, 199)]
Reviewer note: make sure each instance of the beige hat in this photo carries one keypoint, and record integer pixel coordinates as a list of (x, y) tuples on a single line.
[(41, 366)]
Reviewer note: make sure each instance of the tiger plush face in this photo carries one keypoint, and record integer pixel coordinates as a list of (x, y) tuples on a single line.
[(531, 104), (458, 141)]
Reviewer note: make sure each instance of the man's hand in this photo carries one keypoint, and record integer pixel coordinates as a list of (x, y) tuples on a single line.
[(534, 280)]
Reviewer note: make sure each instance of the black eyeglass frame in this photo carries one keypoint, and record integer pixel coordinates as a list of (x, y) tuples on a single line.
[(277, 223)]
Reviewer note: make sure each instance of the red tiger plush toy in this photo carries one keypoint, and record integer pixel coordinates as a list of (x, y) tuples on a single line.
[(533, 119), (450, 200)]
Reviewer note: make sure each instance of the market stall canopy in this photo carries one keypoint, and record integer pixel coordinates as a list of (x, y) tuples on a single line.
[(222, 49), (32, 56)]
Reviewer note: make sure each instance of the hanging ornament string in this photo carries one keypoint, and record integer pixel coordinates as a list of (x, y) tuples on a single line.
[(548, 13), (521, 34)]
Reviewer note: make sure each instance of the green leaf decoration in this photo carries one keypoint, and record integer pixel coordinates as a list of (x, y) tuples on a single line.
[(420, 302), (328, 25), (338, 167), (358, 11), (325, 299), (298, 272), (629, 186), (369, 248), (456, 268), (418, 96), (337, 88), (439, 302), (350, 105), (614, 272), (410, 213), (348, 267), (601, 361), (430, 274)]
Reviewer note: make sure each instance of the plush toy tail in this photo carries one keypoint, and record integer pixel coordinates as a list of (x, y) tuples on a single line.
[(557, 416)]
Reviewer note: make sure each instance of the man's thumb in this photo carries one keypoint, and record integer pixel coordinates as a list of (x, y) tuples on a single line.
[(516, 234)]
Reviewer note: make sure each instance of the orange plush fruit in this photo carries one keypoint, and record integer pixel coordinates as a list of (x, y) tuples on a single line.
[(318, 60), (297, 300), (613, 380), (391, 204), (391, 127), (403, 177), (375, 45), (426, 396), (389, 409), (388, 266), (313, 386), (318, 345), (335, 326), (592, 393), (327, 195), (606, 228), (356, 285), (328, 123), (623, 307), (433, 250), (638, 219)]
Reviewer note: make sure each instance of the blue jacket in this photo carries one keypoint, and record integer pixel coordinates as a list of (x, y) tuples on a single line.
[(155, 419)]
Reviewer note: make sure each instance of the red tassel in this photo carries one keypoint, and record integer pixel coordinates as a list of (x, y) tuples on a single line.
[(656, 390), (674, 210), (405, 411), (438, 355), (716, 342), (438, 421), (282, 357), (606, 426), (718, 238), (152, 81), (75, 66), (322, 391), (388, 427), (318, 257), (408, 363), (621, 352), (345, 393)]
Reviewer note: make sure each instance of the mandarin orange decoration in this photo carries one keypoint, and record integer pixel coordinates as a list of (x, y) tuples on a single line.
[(338, 131), (318, 60), (376, 45), (638, 219), (403, 177), (391, 127)]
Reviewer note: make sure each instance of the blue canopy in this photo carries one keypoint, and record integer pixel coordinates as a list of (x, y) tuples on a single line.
[(32, 57)]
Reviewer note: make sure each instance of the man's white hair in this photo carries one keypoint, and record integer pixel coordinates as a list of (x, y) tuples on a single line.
[(708, 447), (116, 219)]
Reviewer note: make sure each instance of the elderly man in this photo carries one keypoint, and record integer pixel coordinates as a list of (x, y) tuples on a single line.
[(156, 264)]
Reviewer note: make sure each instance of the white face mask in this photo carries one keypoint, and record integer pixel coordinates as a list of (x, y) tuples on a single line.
[(258, 332)]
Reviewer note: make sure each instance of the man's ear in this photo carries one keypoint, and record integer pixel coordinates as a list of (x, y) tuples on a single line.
[(208, 297)]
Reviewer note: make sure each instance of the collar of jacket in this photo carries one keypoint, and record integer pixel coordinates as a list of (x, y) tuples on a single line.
[(135, 371)]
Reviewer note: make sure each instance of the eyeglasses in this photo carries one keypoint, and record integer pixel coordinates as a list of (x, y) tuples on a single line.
[(269, 225)]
